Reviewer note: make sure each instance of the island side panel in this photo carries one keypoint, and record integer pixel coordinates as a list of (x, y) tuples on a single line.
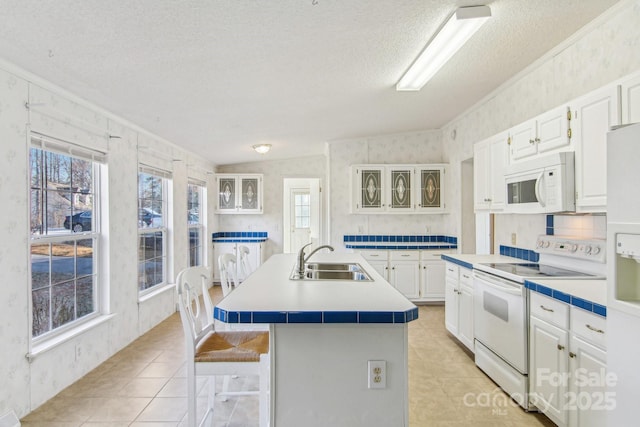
[(320, 373)]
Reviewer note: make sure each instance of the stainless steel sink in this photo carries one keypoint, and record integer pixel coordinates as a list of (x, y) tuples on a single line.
[(332, 266), (331, 271), (335, 275)]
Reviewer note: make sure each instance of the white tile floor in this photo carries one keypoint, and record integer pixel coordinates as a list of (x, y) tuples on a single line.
[(144, 385)]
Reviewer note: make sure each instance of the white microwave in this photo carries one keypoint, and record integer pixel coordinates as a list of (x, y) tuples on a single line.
[(545, 184)]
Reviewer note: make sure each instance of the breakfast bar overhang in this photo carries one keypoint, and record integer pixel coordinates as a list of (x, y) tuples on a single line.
[(323, 336)]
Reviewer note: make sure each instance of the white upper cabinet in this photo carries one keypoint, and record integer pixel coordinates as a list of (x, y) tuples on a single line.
[(429, 194), (239, 194), (397, 188), (593, 116), (630, 99), (490, 157), (547, 132), (368, 189), (400, 182)]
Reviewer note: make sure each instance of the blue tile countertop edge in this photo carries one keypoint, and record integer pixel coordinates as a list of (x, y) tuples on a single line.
[(457, 261), (401, 247), (383, 238), (406, 242), (240, 236), (598, 309), (315, 316)]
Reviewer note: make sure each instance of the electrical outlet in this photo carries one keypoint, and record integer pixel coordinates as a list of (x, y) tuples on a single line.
[(513, 238), (377, 377)]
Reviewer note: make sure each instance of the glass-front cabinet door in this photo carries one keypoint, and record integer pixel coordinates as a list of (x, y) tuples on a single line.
[(227, 194), (239, 193), (250, 198), (367, 189), (400, 188), (431, 188)]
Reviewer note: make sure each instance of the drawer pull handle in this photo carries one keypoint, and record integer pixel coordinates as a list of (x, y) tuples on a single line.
[(546, 309), (450, 269), (560, 347), (465, 276), (404, 255), (600, 331)]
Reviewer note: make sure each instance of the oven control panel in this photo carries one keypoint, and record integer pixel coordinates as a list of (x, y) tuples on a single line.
[(586, 249)]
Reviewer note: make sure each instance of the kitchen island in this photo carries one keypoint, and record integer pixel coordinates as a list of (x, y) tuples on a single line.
[(323, 335)]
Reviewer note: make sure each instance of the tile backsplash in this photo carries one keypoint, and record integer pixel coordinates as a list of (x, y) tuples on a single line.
[(580, 226)]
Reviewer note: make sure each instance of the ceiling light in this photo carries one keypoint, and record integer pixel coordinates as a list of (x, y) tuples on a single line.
[(447, 41), (262, 148)]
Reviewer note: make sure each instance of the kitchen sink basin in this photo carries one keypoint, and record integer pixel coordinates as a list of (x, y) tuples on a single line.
[(335, 275), (332, 266), (331, 271)]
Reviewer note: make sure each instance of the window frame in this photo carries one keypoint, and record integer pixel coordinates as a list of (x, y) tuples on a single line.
[(164, 177), (45, 144), (199, 226)]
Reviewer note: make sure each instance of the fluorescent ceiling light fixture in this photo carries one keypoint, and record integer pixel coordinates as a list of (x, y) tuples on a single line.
[(262, 148), (447, 41)]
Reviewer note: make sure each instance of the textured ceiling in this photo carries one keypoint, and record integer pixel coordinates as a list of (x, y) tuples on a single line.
[(217, 76)]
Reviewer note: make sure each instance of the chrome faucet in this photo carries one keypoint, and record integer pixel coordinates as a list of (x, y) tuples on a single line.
[(302, 259)]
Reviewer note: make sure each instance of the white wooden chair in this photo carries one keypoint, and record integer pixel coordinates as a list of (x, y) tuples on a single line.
[(215, 353), (228, 277), (245, 264)]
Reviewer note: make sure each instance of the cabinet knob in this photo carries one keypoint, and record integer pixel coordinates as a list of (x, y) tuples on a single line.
[(537, 140), (572, 354), (560, 347)]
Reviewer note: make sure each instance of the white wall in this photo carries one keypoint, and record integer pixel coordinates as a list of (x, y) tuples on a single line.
[(605, 50), (26, 384)]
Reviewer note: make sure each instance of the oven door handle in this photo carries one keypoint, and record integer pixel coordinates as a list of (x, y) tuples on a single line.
[(506, 288)]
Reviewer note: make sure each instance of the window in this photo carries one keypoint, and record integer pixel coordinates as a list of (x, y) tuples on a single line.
[(64, 222), (195, 192), (303, 210), (152, 230)]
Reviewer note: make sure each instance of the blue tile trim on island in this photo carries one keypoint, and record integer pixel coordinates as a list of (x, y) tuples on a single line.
[(316, 316), (569, 299)]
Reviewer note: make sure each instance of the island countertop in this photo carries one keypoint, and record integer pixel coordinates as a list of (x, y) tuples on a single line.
[(270, 296)]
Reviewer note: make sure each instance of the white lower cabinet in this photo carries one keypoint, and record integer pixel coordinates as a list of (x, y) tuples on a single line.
[(548, 363), (432, 276), (404, 272), (378, 259), (567, 363), (458, 303), (418, 274), (255, 256)]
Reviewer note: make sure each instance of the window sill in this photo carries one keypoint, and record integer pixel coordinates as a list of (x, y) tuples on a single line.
[(155, 292), (57, 340)]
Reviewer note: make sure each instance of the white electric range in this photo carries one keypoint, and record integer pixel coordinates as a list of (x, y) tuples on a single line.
[(501, 316)]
